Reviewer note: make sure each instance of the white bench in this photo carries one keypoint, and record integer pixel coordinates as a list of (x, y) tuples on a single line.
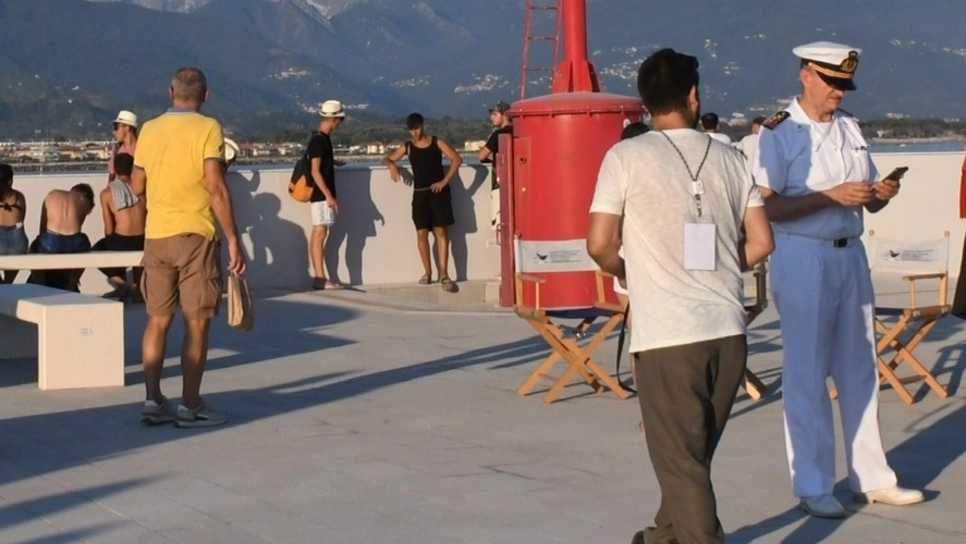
[(66, 261), (80, 338)]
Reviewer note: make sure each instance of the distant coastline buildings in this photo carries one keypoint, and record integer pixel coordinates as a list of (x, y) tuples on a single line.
[(95, 154)]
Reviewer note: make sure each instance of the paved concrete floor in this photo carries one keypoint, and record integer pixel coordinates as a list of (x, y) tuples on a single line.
[(358, 419)]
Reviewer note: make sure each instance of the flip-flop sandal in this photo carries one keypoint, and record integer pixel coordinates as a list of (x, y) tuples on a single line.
[(425, 280), (447, 284), (119, 293)]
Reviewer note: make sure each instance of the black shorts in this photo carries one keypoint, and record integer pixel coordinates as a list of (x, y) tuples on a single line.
[(432, 209), (118, 242)]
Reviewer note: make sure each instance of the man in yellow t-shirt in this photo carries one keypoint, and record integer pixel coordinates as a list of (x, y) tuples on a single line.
[(179, 168)]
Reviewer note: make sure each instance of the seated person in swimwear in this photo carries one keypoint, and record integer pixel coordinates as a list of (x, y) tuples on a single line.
[(13, 207), (124, 217), (231, 153), (61, 220), (125, 139)]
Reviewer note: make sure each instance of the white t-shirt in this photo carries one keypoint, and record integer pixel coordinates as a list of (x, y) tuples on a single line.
[(721, 137), (749, 146), (645, 180)]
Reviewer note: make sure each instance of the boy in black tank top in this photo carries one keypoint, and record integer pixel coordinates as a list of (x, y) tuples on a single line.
[(432, 203)]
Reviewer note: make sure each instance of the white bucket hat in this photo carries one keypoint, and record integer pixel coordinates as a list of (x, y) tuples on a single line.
[(332, 108), (231, 150), (125, 117)]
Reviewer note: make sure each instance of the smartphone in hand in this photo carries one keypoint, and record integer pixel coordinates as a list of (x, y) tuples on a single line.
[(897, 173)]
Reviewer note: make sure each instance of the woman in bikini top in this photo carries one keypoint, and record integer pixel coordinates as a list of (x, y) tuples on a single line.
[(11, 206), (13, 239), (12, 203)]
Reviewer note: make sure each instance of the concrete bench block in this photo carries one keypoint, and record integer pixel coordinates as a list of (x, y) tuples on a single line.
[(80, 338)]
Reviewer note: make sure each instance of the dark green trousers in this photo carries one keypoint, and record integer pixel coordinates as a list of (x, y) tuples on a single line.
[(686, 393)]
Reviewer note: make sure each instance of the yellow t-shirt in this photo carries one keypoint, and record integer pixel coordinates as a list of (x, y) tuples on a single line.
[(172, 149)]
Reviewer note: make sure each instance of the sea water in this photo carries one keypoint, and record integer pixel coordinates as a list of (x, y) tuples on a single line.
[(928, 147)]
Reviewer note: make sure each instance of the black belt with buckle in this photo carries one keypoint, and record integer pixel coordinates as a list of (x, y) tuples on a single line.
[(840, 242)]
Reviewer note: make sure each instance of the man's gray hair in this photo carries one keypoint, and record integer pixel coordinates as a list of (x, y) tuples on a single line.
[(189, 83)]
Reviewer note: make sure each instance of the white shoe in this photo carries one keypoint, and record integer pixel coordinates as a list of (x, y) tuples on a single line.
[(822, 506), (895, 495)]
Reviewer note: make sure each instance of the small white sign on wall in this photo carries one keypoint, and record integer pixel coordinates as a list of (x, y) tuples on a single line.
[(554, 256)]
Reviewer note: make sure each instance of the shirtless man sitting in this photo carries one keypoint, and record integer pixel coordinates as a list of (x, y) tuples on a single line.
[(61, 219), (124, 216)]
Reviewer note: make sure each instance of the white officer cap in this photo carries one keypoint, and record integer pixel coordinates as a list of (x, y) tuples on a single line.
[(835, 63)]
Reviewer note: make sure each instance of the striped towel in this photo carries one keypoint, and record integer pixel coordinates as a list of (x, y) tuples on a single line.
[(124, 197)]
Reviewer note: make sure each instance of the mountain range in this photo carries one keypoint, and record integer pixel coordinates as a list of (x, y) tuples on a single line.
[(67, 66)]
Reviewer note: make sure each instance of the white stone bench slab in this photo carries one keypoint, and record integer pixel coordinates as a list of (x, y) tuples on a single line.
[(64, 261), (80, 338)]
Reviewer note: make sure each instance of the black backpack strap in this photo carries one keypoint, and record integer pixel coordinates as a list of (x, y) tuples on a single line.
[(620, 350), (303, 164), (308, 144)]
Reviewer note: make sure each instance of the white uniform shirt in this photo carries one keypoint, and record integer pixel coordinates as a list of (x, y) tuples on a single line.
[(800, 156), (645, 180), (749, 146)]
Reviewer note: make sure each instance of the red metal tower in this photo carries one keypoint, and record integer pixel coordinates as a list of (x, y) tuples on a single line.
[(576, 73), (539, 9), (548, 167)]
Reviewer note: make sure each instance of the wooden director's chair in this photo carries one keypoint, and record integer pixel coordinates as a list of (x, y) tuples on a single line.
[(753, 385), (565, 341), (913, 262)]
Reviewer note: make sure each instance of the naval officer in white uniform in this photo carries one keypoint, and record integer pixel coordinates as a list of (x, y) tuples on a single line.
[(816, 175)]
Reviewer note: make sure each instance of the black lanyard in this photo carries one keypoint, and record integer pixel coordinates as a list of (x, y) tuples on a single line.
[(697, 188)]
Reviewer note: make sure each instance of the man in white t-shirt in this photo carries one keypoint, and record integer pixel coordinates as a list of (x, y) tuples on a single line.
[(749, 144), (709, 124), (677, 202)]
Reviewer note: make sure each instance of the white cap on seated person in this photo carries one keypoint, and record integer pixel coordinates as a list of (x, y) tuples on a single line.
[(231, 151), (125, 117)]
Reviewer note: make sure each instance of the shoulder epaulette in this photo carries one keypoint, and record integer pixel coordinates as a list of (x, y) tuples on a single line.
[(775, 119), (846, 115)]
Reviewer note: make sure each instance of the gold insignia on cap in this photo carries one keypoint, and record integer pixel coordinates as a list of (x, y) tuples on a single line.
[(851, 63), (844, 70), (775, 119)]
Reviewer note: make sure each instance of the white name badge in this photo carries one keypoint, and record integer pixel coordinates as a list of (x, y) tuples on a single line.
[(700, 246)]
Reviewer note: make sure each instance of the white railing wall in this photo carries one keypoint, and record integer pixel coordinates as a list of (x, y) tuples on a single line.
[(375, 239)]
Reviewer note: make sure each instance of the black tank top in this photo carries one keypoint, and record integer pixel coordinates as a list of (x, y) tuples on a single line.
[(427, 163)]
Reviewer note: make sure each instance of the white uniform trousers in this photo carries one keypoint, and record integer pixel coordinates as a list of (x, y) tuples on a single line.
[(825, 300)]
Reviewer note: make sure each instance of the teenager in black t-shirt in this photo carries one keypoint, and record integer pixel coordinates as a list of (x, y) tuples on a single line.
[(500, 117), (324, 206)]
